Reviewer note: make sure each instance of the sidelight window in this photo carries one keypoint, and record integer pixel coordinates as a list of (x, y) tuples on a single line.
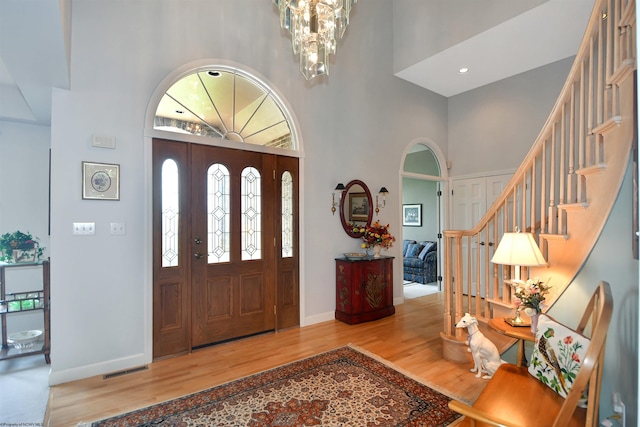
[(218, 214), (287, 215), (170, 213), (251, 214)]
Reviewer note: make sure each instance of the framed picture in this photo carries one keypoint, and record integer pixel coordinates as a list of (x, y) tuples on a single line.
[(100, 181), (358, 207), (412, 215)]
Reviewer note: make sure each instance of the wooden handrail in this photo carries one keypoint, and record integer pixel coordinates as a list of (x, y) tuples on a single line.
[(565, 187)]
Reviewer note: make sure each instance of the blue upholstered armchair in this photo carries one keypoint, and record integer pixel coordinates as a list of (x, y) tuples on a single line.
[(420, 261)]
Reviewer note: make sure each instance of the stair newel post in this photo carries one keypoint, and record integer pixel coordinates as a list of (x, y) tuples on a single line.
[(447, 282), (479, 278)]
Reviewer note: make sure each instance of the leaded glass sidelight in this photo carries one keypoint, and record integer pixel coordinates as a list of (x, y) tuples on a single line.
[(218, 214), (251, 214), (287, 215), (170, 213)]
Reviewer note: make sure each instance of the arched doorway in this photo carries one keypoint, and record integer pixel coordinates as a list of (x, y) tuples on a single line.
[(423, 212), (225, 185)]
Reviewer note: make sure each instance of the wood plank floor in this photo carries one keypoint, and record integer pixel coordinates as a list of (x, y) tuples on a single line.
[(410, 339)]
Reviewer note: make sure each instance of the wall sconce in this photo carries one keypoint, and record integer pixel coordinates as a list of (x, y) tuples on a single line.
[(384, 193), (340, 188)]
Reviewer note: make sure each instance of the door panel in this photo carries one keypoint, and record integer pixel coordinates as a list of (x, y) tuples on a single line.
[(242, 277), (471, 199), (287, 253), (245, 298), (171, 297)]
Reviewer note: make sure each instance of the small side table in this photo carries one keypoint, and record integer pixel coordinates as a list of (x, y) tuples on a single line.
[(521, 333)]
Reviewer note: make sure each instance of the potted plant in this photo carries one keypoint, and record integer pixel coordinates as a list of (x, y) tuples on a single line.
[(19, 247)]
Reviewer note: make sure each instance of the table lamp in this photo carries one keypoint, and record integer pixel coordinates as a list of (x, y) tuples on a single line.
[(520, 250)]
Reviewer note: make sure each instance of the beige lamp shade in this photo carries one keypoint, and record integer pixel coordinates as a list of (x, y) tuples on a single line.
[(519, 249)]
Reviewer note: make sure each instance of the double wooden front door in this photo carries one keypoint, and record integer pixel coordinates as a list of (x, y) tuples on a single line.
[(225, 245)]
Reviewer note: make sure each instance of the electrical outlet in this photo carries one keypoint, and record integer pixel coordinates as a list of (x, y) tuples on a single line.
[(618, 407), (118, 229), (84, 228)]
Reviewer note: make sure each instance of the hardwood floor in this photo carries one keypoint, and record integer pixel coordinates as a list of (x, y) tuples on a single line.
[(410, 339)]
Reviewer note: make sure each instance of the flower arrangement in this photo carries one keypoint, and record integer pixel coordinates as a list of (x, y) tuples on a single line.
[(10, 242), (376, 234), (531, 295)]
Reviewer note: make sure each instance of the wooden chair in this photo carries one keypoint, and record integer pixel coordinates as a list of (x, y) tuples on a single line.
[(515, 398)]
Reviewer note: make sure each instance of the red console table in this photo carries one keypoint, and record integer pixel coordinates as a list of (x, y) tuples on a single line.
[(364, 289)]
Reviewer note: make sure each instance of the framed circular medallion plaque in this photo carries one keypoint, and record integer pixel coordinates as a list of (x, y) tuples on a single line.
[(100, 181)]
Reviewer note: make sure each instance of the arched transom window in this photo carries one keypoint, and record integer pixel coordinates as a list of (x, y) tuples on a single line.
[(225, 104)]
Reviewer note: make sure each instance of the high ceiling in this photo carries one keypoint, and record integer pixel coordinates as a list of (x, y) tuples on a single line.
[(35, 44), (544, 34)]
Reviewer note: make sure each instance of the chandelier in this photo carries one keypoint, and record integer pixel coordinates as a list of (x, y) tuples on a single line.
[(315, 27)]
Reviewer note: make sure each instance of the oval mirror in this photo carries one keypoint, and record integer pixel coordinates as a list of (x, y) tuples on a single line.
[(356, 207)]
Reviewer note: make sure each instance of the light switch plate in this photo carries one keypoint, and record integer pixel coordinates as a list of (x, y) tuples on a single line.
[(84, 228), (118, 229)]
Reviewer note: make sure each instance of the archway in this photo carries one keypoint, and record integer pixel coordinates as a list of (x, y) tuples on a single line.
[(213, 104), (423, 189)]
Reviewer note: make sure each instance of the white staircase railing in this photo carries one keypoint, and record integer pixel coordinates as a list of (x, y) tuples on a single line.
[(566, 186)]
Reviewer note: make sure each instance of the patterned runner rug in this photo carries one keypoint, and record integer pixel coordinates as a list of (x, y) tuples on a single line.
[(343, 387)]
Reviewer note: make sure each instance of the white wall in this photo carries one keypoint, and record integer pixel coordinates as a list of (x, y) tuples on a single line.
[(452, 22), (24, 177), (493, 127), (121, 51)]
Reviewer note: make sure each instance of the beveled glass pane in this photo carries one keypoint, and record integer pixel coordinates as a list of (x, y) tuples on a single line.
[(287, 215), (220, 87), (170, 213), (251, 214), (224, 104), (249, 98), (218, 214)]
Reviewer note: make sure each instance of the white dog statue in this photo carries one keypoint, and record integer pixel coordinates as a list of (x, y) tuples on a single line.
[(486, 358)]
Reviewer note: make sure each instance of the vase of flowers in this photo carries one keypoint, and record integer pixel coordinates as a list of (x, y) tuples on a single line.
[(531, 295), (19, 247), (375, 236)]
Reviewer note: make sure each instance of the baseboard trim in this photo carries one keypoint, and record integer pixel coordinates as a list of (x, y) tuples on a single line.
[(81, 372)]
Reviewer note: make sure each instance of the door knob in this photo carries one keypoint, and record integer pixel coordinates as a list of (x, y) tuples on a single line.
[(198, 255)]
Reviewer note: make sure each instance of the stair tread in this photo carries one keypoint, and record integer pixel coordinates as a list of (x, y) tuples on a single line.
[(500, 302)]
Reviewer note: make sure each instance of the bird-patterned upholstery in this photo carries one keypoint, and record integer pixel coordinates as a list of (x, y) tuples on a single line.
[(557, 355)]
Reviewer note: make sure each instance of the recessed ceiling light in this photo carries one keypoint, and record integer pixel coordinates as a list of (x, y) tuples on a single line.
[(463, 70)]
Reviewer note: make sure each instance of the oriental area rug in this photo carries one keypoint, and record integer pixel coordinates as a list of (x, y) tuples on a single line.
[(342, 387)]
